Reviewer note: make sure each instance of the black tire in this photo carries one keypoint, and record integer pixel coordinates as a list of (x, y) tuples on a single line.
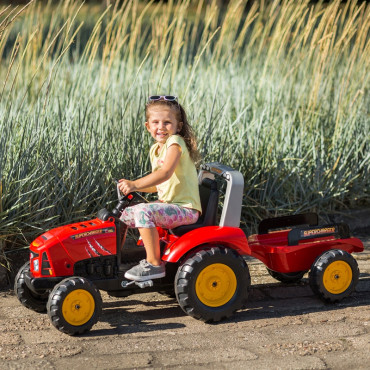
[(74, 305), (334, 275), (217, 271), (288, 278), (28, 298)]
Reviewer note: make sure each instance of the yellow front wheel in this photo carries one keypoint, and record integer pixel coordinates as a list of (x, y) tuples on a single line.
[(78, 307), (334, 275), (212, 284), (74, 305)]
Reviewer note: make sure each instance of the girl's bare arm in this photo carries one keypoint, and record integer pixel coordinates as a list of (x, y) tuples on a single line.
[(151, 189), (150, 181)]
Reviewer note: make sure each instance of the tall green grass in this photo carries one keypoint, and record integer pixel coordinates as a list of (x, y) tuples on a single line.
[(279, 91)]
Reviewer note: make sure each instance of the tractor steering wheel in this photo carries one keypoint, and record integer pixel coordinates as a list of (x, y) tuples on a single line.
[(125, 200)]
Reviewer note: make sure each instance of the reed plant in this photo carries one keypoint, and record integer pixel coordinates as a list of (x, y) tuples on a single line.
[(278, 90)]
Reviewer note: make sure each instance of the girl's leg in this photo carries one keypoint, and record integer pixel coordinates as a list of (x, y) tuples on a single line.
[(146, 216), (150, 239), (164, 215), (140, 216)]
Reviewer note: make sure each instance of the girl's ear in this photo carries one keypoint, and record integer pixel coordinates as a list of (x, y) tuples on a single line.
[(179, 126), (147, 125)]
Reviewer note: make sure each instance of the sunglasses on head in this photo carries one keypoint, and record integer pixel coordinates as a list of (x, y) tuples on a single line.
[(171, 98)]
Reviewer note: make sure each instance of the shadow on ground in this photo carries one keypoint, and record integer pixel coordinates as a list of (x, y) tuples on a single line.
[(137, 316)]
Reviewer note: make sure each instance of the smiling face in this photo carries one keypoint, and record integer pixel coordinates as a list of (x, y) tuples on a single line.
[(162, 123)]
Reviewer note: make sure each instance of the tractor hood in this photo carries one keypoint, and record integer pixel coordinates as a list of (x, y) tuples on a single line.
[(55, 252)]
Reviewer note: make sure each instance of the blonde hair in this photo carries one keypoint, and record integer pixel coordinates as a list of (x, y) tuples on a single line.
[(186, 131)]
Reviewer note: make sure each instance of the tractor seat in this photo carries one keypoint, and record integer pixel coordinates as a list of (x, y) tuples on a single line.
[(209, 200)]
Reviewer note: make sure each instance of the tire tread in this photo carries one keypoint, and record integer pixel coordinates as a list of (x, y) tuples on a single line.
[(184, 285), (27, 298), (318, 269), (56, 300)]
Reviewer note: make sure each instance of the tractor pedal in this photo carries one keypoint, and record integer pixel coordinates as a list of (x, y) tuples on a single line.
[(140, 284), (144, 284)]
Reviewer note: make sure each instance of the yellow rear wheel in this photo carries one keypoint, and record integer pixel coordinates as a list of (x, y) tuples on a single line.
[(212, 284), (216, 285)]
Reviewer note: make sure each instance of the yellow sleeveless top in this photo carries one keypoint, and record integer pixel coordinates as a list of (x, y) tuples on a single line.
[(182, 187)]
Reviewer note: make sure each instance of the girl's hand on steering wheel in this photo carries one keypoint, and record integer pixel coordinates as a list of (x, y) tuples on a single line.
[(126, 186)]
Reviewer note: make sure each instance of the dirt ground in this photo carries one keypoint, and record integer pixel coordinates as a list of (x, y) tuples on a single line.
[(283, 327)]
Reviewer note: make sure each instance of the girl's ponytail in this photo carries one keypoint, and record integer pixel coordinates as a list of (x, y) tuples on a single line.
[(189, 136)]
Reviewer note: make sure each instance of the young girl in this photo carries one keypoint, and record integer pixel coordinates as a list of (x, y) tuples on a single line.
[(173, 176)]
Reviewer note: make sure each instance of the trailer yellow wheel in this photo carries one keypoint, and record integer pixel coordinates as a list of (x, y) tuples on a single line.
[(216, 285), (334, 275), (337, 277), (212, 283), (74, 305), (78, 307)]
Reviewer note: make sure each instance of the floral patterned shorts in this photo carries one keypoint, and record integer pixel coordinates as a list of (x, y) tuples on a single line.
[(165, 215)]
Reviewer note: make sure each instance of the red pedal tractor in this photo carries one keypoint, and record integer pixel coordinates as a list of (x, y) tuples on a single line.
[(205, 267)]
